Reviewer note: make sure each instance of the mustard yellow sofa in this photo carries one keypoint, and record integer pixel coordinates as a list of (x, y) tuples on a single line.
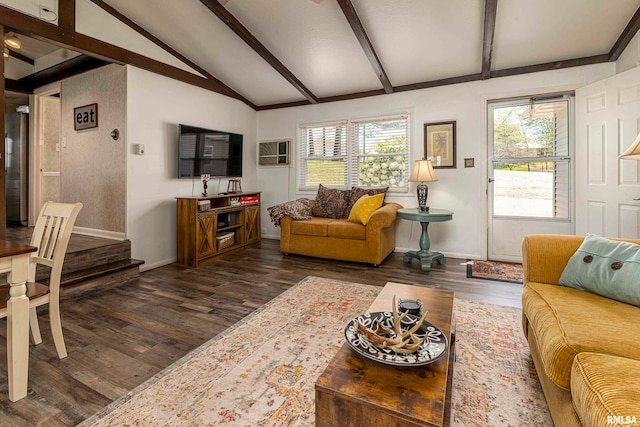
[(585, 347), (342, 239)]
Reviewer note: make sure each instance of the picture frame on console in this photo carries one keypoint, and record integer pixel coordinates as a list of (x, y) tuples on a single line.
[(440, 144)]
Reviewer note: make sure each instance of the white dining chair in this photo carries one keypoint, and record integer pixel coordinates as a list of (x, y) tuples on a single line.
[(51, 236)]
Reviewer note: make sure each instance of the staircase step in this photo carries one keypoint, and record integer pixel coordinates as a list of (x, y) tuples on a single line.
[(98, 278), (118, 250)]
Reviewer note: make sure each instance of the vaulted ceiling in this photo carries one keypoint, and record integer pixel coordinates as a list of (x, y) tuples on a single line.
[(278, 53)]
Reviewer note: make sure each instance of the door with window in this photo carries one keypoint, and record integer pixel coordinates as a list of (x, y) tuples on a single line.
[(530, 172)]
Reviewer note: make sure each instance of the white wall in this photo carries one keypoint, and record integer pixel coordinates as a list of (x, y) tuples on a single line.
[(155, 107), (630, 57), (462, 190), (85, 153)]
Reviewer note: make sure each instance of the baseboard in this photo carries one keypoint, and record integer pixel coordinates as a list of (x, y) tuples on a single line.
[(99, 233), (446, 254), (146, 267)]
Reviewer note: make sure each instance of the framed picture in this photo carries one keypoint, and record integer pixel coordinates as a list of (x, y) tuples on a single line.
[(440, 144)]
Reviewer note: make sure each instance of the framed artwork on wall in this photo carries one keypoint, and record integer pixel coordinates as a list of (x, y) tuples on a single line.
[(440, 144)]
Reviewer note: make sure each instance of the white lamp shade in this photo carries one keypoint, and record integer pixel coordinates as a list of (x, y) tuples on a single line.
[(422, 172), (632, 152)]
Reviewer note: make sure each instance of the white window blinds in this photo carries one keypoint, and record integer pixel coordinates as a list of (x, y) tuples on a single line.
[(363, 153), (323, 156), (381, 152)]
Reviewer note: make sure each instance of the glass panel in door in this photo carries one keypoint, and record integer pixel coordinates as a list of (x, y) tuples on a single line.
[(530, 174)]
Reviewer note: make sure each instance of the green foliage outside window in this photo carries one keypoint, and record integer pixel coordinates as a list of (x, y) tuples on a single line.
[(385, 170)]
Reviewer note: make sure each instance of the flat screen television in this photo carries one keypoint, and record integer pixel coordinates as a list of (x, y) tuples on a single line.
[(212, 152)]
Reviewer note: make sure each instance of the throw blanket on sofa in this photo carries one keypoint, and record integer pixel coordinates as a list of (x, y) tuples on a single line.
[(296, 209)]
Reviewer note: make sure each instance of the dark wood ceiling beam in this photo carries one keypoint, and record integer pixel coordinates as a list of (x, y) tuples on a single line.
[(21, 57), (441, 82), (236, 26), (625, 38), (77, 65), (81, 43), (557, 65), (11, 85), (67, 17), (490, 10), (358, 29)]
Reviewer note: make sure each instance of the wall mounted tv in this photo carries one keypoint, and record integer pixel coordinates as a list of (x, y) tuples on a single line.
[(212, 152)]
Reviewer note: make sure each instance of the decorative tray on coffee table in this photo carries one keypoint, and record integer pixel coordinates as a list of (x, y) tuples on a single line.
[(433, 346)]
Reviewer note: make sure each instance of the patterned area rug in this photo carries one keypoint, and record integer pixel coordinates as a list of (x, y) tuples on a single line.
[(261, 372), (495, 270)]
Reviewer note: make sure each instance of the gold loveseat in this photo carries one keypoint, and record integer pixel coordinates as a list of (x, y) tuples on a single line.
[(340, 238), (585, 347)]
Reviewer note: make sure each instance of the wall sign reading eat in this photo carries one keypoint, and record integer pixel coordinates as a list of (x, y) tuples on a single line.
[(85, 117)]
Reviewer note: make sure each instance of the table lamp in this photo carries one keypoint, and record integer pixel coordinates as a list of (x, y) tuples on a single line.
[(422, 172), (632, 152)]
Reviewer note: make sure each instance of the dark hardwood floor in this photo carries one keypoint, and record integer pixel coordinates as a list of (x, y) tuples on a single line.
[(119, 338)]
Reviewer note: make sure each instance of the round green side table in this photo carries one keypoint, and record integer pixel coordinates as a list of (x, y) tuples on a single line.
[(425, 255)]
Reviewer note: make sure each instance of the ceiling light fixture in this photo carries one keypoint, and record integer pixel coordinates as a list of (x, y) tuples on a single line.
[(13, 42)]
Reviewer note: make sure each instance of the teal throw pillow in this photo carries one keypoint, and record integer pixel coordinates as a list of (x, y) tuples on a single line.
[(605, 267)]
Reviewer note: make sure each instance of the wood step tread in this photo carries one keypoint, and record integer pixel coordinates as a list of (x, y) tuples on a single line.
[(75, 277)]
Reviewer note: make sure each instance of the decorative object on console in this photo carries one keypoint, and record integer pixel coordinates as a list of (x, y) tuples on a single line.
[(205, 178), (248, 200), (396, 339), (413, 306), (225, 240), (204, 205), (234, 186), (423, 172)]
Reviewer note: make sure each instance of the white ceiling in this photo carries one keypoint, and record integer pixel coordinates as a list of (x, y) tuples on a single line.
[(416, 41)]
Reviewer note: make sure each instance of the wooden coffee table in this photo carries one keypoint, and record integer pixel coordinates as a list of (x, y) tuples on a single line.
[(356, 391)]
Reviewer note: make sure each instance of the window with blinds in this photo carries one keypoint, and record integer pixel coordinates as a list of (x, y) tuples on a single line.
[(362, 153), (531, 158)]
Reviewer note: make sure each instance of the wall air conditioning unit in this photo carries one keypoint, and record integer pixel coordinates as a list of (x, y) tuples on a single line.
[(274, 153)]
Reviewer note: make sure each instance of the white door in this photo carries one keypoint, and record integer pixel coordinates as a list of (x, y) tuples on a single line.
[(607, 122), (530, 172), (44, 176)]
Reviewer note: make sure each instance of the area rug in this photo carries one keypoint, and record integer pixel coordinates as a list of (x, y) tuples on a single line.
[(262, 371), (495, 270)]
